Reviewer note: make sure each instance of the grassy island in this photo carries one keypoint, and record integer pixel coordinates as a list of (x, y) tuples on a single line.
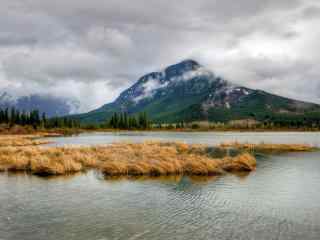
[(149, 158)]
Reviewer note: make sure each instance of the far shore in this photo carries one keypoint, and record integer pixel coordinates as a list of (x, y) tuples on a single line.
[(57, 132), (199, 130)]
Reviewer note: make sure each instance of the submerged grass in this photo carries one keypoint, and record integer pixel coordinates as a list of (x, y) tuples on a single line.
[(123, 159), (265, 147)]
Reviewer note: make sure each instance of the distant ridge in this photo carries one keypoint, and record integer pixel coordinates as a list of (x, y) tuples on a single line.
[(52, 106)]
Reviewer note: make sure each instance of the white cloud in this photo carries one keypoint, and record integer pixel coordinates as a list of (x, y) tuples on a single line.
[(149, 88), (188, 75)]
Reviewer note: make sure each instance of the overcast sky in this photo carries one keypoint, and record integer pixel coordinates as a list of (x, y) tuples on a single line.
[(92, 50)]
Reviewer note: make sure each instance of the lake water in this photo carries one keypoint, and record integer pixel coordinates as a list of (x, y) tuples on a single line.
[(211, 138), (281, 200)]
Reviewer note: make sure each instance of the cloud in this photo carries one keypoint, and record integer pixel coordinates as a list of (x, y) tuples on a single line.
[(188, 75), (149, 88), (311, 12), (54, 64), (91, 50)]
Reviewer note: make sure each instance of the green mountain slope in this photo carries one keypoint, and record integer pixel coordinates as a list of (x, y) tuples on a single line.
[(187, 92)]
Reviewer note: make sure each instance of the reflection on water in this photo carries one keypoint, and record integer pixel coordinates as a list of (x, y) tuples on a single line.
[(167, 179), (281, 200), (170, 178)]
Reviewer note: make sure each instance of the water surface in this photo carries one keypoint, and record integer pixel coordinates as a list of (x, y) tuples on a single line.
[(281, 200), (212, 138)]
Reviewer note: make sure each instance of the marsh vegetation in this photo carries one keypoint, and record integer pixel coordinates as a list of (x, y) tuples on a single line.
[(23, 140), (268, 147), (149, 158)]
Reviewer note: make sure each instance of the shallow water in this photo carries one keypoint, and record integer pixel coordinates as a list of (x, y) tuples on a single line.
[(212, 138), (281, 200)]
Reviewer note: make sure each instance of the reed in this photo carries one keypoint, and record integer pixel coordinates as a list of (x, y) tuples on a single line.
[(21, 140), (123, 159), (265, 147)]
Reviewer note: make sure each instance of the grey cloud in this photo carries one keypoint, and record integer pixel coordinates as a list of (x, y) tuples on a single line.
[(49, 66), (10, 39), (98, 48), (311, 12)]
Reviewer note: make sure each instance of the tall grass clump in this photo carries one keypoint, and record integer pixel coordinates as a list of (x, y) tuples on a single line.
[(20, 140), (265, 147), (123, 159)]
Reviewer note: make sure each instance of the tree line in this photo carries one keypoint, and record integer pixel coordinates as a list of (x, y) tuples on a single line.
[(126, 122), (123, 120), (13, 116)]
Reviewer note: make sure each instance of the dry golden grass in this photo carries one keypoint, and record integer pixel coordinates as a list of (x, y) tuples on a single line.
[(123, 159), (264, 147), (21, 140)]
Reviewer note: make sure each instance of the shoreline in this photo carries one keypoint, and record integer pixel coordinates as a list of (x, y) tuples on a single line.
[(15, 130), (199, 130)]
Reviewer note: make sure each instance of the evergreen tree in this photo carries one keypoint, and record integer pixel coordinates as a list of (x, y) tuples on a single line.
[(6, 115), (44, 120), (18, 118), (116, 120), (125, 121), (1, 116), (23, 118), (12, 118)]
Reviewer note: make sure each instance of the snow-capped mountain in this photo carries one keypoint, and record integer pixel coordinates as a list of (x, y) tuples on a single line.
[(188, 91), (52, 106)]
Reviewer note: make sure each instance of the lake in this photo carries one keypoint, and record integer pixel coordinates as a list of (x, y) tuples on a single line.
[(280, 200), (211, 138)]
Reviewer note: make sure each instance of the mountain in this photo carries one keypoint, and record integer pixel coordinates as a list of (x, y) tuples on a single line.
[(188, 91), (52, 106)]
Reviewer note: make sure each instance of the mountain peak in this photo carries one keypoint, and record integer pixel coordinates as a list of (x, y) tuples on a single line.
[(189, 62), (187, 91), (182, 67), (171, 72)]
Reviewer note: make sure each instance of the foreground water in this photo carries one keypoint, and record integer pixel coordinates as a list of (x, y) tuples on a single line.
[(281, 200)]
